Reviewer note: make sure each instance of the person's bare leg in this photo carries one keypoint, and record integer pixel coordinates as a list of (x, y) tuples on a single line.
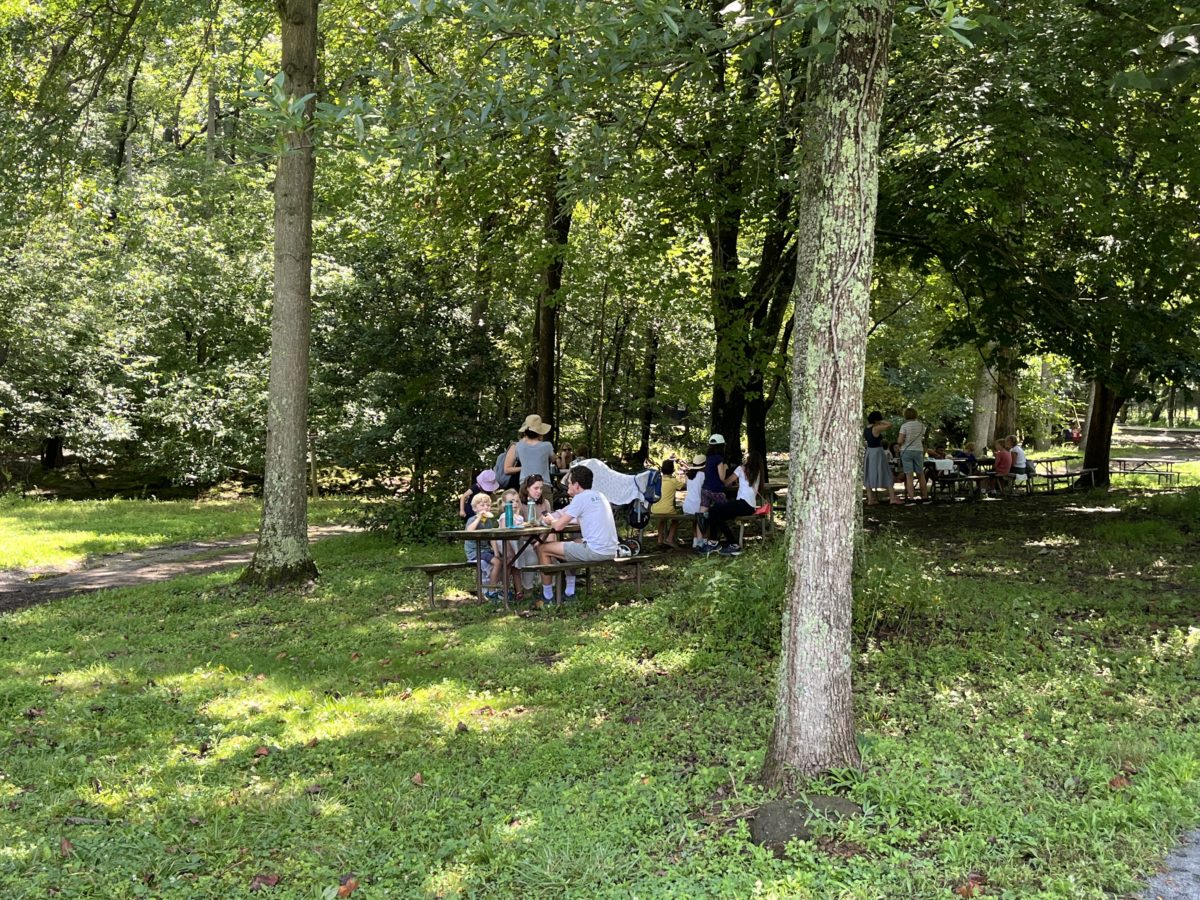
[(924, 485), (908, 486), (549, 553)]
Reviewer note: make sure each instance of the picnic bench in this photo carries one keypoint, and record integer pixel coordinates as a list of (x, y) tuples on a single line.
[(432, 570), (556, 570), (1161, 469)]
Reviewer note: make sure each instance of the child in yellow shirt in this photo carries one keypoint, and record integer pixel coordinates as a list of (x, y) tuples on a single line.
[(665, 505)]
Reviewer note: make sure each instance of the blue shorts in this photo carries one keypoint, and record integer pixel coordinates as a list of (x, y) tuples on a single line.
[(913, 461)]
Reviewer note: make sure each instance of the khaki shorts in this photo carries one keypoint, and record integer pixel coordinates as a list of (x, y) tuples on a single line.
[(578, 551)]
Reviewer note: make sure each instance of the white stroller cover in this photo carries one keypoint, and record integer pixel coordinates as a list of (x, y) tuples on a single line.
[(618, 487)]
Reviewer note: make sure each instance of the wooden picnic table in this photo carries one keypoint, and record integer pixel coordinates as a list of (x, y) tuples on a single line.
[(524, 535), (1162, 469)]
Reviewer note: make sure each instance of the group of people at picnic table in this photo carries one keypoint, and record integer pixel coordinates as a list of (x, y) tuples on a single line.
[(524, 476), (907, 458)]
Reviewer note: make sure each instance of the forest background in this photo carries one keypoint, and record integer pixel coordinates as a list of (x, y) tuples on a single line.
[(581, 210)]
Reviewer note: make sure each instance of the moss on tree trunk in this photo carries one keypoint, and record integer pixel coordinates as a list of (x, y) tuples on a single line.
[(814, 721)]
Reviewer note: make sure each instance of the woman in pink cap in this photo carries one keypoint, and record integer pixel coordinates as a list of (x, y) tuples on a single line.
[(484, 483)]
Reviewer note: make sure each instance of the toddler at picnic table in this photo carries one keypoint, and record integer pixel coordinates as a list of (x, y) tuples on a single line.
[(665, 505), (489, 555)]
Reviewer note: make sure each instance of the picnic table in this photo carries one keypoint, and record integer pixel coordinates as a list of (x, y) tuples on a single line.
[(523, 535), (1162, 469)]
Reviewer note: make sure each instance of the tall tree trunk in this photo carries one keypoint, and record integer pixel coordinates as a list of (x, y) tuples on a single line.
[(558, 232), (1171, 408), (283, 554), (648, 389), (731, 356), (839, 181), (1085, 432), (757, 406), (214, 117), (1006, 399), (52, 453), (1102, 416), (1047, 417), (984, 415)]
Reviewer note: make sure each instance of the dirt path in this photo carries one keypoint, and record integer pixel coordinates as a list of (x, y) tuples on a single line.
[(20, 589)]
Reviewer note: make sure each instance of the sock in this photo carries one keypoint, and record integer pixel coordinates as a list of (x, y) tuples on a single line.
[(570, 591), (548, 591)]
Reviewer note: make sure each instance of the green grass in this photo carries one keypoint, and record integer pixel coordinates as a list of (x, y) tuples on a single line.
[(1004, 678), (59, 533)]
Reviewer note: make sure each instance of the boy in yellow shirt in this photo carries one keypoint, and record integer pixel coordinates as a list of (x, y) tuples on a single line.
[(665, 505)]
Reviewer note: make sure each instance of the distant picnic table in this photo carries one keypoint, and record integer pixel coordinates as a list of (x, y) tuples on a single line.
[(1162, 469)]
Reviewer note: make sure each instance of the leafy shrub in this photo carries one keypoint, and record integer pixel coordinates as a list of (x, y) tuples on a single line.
[(412, 518), (739, 605)]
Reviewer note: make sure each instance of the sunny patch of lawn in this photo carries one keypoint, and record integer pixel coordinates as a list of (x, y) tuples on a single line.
[(59, 533), (1040, 728)]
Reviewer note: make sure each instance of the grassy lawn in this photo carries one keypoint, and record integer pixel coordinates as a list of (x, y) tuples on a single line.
[(63, 532), (1025, 687)]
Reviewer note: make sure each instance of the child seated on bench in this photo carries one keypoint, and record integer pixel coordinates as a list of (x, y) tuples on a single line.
[(598, 530), (692, 499), (488, 555), (665, 505)]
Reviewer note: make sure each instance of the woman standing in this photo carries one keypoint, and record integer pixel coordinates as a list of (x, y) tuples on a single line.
[(912, 454), (530, 455), (877, 471)]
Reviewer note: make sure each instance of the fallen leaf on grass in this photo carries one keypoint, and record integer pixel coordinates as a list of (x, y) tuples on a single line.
[(65, 847), (406, 693), (385, 662), (355, 656), (1128, 768), (311, 744), (314, 789), (418, 779), (483, 711), (258, 882), (282, 654), (1118, 782), (34, 713), (262, 751), (972, 887), (349, 884)]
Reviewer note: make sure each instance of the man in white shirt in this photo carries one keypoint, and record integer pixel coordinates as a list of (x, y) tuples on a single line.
[(598, 538)]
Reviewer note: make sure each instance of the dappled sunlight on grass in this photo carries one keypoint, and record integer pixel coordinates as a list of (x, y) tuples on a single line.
[(348, 728)]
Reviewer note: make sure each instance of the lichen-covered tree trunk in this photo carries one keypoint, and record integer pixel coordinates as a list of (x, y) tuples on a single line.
[(983, 418), (283, 555), (839, 178)]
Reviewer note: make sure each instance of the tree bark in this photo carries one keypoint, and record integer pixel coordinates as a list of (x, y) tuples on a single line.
[(1006, 396), (283, 555), (839, 181), (1102, 416), (558, 232), (984, 415), (648, 389)]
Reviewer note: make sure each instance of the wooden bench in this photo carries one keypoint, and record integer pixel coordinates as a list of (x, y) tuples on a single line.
[(1053, 479), (432, 570), (660, 520), (556, 570), (1169, 476)]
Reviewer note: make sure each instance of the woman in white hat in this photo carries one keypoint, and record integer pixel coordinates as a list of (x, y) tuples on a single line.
[(530, 455)]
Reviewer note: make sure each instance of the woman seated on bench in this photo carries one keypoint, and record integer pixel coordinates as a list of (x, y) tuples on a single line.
[(598, 530)]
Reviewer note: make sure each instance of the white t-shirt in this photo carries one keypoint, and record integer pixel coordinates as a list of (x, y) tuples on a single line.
[(913, 430), (691, 500), (594, 514), (745, 488), (1018, 453)]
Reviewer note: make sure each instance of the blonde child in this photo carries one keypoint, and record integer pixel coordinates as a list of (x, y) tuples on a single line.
[(483, 517)]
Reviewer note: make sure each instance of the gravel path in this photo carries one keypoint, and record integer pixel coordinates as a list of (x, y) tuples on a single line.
[(20, 589), (1180, 878)]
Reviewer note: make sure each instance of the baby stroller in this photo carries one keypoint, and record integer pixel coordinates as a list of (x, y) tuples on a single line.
[(631, 497)]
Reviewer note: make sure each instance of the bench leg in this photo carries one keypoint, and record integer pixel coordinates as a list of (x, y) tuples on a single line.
[(429, 578)]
